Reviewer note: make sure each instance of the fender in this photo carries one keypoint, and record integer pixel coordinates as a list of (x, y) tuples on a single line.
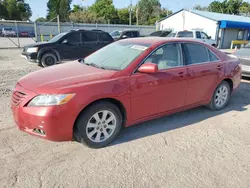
[(42, 51)]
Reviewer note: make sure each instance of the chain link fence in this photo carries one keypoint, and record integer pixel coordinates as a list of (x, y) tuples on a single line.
[(17, 34)]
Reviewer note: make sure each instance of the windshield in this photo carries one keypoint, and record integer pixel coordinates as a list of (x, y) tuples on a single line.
[(171, 35), (116, 56), (57, 37), (115, 33), (188, 34), (157, 33)]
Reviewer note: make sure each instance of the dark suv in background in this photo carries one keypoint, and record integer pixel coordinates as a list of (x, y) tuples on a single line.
[(118, 35), (71, 45)]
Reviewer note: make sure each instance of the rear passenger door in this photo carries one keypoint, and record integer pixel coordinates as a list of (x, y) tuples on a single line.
[(204, 70), (72, 48), (104, 39), (90, 43)]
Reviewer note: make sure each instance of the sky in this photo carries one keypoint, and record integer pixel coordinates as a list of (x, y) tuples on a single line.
[(39, 7)]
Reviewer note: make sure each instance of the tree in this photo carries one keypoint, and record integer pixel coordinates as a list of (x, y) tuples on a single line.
[(59, 7), (77, 8), (199, 7), (41, 19), (3, 11), (16, 10), (85, 16), (105, 9), (245, 9), (149, 11)]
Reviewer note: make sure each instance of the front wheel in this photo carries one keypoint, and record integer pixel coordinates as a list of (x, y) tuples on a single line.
[(220, 97), (48, 59), (98, 125)]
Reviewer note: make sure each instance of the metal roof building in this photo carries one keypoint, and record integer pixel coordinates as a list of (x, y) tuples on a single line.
[(222, 27)]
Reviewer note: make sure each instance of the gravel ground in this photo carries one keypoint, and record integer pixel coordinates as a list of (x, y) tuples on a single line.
[(196, 148)]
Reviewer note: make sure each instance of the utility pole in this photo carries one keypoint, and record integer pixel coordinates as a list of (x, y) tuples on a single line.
[(130, 13), (58, 24)]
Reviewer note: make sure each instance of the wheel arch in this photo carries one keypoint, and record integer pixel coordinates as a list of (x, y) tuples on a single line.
[(114, 101), (44, 51), (230, 82)]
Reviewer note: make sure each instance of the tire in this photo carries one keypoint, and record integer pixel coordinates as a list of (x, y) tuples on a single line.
[(223, 91), (91, 126), (48, 59), (214, 45)]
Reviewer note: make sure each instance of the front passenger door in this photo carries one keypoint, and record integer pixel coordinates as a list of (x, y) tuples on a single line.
[(162, 91), (90, 43)]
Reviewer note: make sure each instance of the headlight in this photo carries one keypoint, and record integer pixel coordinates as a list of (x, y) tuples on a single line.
[(32, 50), (51, 100)]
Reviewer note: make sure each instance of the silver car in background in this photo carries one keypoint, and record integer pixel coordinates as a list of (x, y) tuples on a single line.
[(243, 55)]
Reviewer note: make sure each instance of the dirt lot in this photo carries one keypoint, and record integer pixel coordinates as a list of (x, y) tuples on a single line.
[(197, 148)]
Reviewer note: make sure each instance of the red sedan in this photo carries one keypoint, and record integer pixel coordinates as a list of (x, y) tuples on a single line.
[(124, 83)]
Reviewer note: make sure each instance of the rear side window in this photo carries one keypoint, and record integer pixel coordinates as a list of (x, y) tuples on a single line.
[(186, 34), (195, 53), (90, 37), (73, 38), (128, 34), (198, 35), (135, 34), (105, 37), (212, 56)]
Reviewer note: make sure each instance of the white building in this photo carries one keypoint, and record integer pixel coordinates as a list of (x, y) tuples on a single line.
[(222, 27)]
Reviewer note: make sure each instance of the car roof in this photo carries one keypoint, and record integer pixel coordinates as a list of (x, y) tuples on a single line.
[(160, 40)]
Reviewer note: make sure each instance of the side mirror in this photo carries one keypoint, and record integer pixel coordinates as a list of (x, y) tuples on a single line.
[(65, 41), (148, 68), (124, 36), (209, 37)]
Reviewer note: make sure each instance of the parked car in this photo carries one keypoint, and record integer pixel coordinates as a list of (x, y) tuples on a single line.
[(24, 34), (195, 34), (124, 83), (161, 33), (243, 55), (66, 46), (118, 35), (8, 32)]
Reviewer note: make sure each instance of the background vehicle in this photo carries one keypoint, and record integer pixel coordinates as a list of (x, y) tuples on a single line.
[(8, 32), (162, 33), (195, 34), (24, 34), (93, 98), (67, 46), (243, 55), (118, 35)]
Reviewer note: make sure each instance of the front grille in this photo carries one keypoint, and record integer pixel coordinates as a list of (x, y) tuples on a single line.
[(18, 97), (245, 61)]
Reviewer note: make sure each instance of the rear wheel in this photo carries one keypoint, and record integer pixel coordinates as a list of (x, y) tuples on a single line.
[(48, 59), (98, 125), (220, 97)]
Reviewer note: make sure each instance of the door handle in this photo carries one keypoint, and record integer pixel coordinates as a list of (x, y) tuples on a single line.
[(181, 74), (219, 67)]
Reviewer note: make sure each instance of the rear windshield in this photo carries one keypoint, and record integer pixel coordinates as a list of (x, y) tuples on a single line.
[(188, 34)]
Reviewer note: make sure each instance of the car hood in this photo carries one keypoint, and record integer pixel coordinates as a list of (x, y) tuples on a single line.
[(58, 77), (243, 53), (38, 44)]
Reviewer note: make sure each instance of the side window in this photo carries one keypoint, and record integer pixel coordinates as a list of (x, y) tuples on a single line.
[(212, 56), (129, 34), (89, 37), (166, 57), (204, 35), (73, 38), (198, 34), (105, 37), (135, 34), (195, 53)]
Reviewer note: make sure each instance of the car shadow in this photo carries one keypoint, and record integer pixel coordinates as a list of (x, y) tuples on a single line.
[(238, 102)]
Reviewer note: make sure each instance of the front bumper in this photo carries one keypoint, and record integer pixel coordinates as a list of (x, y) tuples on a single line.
[(32, 57), (53, 123)]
